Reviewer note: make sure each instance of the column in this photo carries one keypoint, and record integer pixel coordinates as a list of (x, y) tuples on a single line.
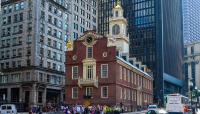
[(61, 95), (44, 96), (34, 95), (8, 94), (21, 95)]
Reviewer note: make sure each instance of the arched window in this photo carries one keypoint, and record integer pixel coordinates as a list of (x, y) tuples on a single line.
[(116, 13), (115, 29)]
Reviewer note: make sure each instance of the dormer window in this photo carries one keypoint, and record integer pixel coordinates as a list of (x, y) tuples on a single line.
[(89, 52), (116, 14)]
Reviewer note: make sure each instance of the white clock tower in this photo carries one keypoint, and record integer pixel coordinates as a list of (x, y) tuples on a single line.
[(118, 30)]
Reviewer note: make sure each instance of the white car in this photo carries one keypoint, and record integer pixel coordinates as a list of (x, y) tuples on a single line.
[(152, 107), (8, 109), (198, 111)]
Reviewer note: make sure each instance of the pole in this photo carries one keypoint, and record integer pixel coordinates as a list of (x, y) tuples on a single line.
[(191, 95)]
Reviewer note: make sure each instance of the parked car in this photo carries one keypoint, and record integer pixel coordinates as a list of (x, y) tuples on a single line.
[(152, 112), (8, 109), (160, 111), (152, 107)]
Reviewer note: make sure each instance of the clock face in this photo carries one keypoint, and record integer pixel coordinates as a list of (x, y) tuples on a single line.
[(89, 39)]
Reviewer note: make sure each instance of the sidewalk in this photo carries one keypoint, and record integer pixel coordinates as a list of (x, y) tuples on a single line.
[(42, 113)]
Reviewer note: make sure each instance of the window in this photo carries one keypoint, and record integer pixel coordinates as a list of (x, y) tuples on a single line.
[(124, 73), (21, 16), (75, 93), (22, 5), (15, 29), (4, 9), (4, 20), (49, 18), (89, 91), (48, 65), (54, 66), (9, 19), (104, 70), (128, 74), (104, 92), (48, 78), (49, 30), (40, 76), (192, 50), (121, 92), (17, 7), (120, 70), (49, 53), (20, 52), (185, 51), (89, 52), (89, 72), (28, 76), (75, 72), (10, 9), (115, 29), (49, 42), (116, 13), (14, 52), (2, 54)]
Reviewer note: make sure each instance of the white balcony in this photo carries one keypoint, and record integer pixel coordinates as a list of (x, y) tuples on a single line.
[(88, 82)]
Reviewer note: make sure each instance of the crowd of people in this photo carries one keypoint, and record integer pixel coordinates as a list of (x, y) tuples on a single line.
[(99, 109), (76, 109)]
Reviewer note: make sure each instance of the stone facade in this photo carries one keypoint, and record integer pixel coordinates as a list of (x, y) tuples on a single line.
[(32, 47), (192, 65)]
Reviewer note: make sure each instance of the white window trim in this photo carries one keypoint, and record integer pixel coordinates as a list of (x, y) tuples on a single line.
[(121, 93), (121, 72), (87, 51), (102, 92), (73, 73), (73, 93), (88, 88), (102, 71)]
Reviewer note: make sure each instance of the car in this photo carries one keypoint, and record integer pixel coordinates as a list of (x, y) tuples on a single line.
[(8, 109), (198, 111), (152, 112), (162, 111), (152, 107)]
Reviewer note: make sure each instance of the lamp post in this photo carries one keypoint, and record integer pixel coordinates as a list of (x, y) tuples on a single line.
[(196, 95), (191, 88)]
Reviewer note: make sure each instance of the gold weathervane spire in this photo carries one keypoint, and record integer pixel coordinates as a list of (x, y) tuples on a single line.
[(69, 44), (118, 4)]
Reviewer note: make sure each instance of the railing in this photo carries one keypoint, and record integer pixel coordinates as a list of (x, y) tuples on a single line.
[(88, 82)]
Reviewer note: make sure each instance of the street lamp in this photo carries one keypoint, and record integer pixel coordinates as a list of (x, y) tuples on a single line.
[(191, 88), (196, 93)]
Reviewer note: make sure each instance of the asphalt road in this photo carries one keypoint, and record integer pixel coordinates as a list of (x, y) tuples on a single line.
[(142, 112)]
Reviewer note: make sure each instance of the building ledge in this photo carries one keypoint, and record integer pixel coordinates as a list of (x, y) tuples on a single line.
[(88, 82)]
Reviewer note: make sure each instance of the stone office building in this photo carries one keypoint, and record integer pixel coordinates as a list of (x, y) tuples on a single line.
[(32, 47), (99, 70)]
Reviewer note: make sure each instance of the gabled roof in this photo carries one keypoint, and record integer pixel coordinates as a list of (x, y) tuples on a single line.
[(121, 59)]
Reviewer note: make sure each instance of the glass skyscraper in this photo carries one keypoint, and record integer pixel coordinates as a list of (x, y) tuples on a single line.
[(191, 20), (155, 33)]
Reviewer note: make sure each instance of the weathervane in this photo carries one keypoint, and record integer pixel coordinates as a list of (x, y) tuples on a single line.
[(118, 4)]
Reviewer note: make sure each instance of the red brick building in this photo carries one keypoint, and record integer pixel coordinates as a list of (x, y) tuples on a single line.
[(99, 73)]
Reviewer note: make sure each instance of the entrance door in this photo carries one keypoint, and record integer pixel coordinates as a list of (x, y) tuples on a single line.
[(27, 96)]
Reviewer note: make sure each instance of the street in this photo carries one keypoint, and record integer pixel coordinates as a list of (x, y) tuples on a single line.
[(141, 112)]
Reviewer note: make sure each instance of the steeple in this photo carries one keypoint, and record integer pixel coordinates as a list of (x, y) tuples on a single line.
[(118, 29)]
